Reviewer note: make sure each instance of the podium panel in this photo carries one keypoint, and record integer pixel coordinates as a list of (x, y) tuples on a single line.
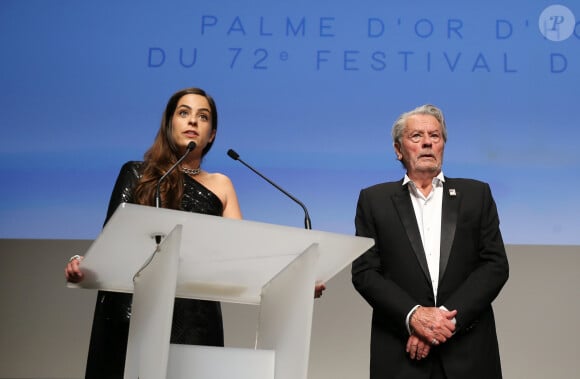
[(152, 312), (285, 319), (208, 362)]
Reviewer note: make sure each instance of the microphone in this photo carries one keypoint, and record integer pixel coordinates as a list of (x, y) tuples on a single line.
[(191, 146), (236, 157)]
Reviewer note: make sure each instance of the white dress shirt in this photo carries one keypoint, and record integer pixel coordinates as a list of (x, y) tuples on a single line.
[(428, 215), (428, 211)]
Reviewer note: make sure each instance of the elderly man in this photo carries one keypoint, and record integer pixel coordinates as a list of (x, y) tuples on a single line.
[(438, 263)]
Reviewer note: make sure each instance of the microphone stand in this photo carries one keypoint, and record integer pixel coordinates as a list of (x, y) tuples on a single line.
[(307, 223)]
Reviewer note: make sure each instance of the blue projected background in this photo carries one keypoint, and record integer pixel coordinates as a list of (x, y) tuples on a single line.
[(307, 92)]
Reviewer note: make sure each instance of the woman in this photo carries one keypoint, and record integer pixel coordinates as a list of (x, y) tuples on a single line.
[(190, 115)]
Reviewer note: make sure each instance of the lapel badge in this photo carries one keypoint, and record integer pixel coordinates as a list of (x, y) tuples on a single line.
[(452, 192)]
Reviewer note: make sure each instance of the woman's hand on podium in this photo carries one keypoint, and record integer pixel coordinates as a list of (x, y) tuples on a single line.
[(318, 289), (72, 271)]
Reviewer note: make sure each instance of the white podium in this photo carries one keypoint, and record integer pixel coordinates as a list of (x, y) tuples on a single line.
[(213, 258)]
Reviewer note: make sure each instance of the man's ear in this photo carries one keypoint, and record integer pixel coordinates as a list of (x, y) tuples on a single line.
[(398, 151)]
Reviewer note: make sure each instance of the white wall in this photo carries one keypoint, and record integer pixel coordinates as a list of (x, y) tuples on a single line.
[(45, 327)]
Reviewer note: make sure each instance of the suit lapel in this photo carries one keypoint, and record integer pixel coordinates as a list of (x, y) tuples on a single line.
[(404, 207), (449, 213)]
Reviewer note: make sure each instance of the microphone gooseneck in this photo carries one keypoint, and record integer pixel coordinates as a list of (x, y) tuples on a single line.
[(307, 223), (191, 146)]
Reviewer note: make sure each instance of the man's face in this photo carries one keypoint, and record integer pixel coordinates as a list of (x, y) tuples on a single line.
[(422, 145)]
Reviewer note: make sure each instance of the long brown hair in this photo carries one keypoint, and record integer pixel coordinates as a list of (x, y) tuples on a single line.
[(164, 153)]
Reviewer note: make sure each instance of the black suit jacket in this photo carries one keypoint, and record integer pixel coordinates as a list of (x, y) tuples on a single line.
[(393, 277)]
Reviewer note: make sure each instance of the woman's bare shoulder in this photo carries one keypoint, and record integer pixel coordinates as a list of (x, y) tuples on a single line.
[(218, 178)]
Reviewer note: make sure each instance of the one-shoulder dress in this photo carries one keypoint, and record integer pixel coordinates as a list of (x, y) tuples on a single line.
[(195, 322)]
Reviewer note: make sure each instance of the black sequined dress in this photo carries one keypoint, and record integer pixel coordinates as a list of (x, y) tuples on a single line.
[(195, 322)]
